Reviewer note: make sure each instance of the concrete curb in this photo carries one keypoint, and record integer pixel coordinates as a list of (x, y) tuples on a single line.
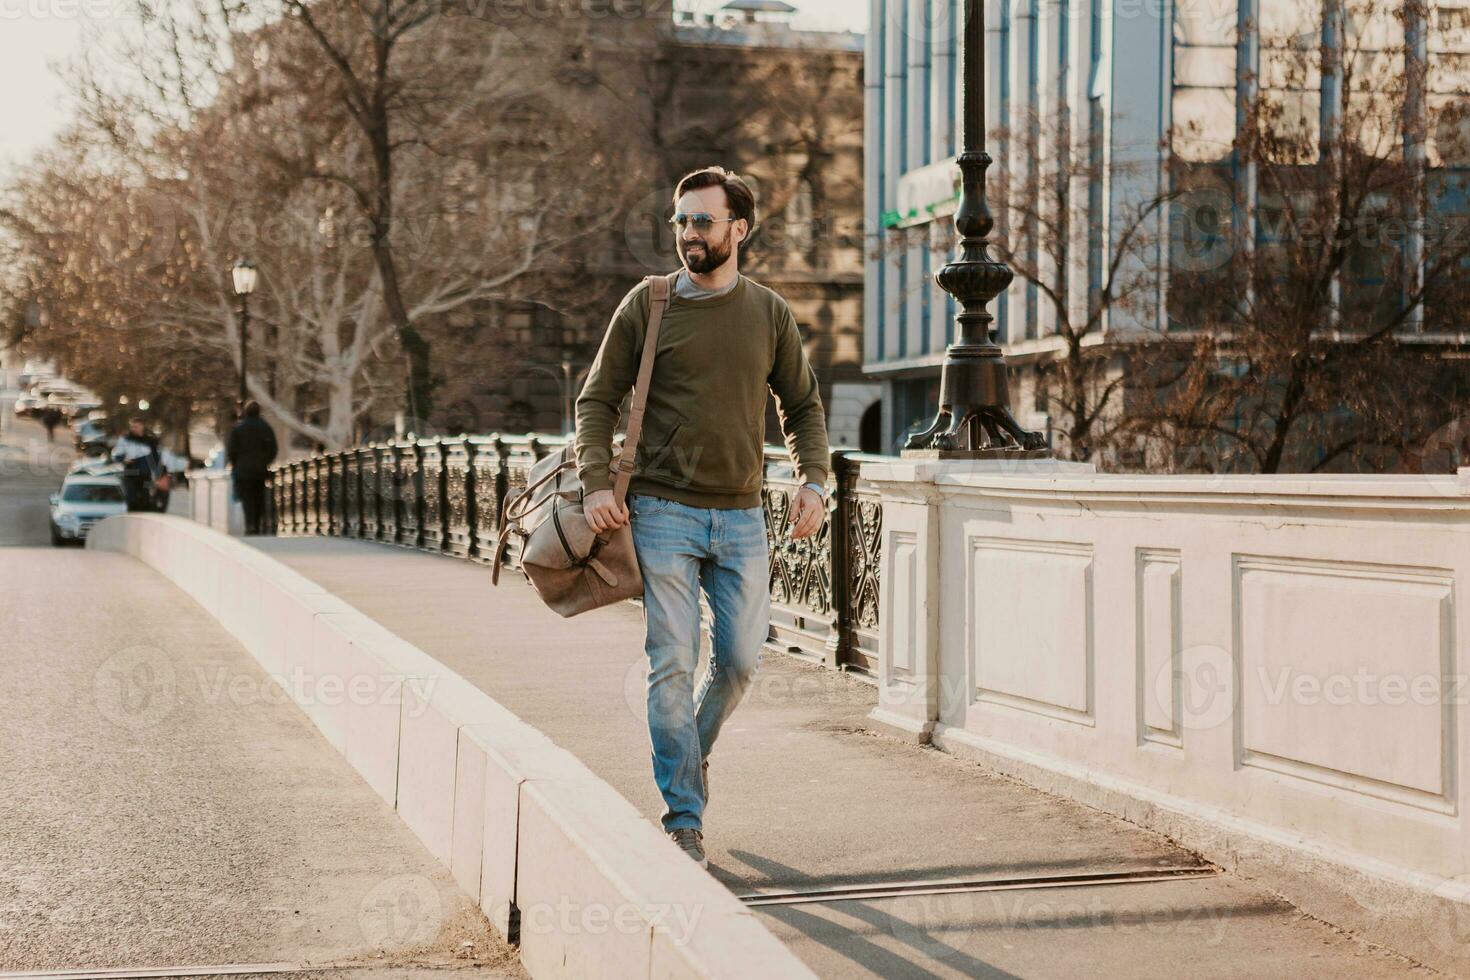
[(551, 852)]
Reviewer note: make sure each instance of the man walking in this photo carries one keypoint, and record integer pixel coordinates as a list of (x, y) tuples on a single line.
[(137, 450), (695, 498), (250, 452)]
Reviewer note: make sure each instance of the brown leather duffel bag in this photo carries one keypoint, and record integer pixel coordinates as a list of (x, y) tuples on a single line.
[(573, 568)]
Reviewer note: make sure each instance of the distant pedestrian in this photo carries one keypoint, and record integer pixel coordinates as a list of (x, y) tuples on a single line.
[(137, 449), (250, 452), (51, 418)]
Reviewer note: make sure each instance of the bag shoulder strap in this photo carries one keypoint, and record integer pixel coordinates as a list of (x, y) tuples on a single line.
[(658, 289)]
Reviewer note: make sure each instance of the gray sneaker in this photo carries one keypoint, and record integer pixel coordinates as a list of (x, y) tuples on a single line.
[(691, 842)]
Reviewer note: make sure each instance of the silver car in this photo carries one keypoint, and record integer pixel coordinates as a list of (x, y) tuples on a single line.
[(83, 501)]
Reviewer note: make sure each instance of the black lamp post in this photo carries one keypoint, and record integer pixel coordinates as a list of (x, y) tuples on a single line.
[(974, 418), (568, 416), (244, 275)]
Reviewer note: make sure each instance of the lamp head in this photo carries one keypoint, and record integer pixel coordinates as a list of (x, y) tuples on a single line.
[(244, 274)]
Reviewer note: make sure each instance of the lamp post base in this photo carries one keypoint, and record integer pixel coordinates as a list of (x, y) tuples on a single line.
[(974, 420)]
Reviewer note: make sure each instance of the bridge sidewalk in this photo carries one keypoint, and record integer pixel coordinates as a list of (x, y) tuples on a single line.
[(804, 794)]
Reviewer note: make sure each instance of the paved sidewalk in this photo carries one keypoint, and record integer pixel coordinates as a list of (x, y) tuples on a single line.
[(165, 806), (804, 794)]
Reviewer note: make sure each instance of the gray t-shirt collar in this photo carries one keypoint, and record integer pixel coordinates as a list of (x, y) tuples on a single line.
[(686, 288)]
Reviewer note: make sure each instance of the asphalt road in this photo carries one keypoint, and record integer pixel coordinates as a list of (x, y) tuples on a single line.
[(163, 806), (31, 469)]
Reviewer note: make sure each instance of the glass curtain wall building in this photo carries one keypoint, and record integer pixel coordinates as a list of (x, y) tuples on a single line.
[(1096, 107)]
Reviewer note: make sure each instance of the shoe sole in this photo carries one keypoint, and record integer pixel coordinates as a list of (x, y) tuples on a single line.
[(703, 862)]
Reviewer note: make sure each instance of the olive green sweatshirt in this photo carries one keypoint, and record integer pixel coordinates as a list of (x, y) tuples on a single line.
[(704, 429)]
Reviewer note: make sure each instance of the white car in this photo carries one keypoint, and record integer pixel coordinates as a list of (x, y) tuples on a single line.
[(94, 463), (83, 501)]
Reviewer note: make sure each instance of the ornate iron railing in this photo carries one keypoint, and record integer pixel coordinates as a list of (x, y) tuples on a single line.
[(459, 497), (314, 485), (488, 464), (303, 497), (410, 496), (446, 495), (388, 496), (368, 527), (336, 481), (433, 534), (352, 493)]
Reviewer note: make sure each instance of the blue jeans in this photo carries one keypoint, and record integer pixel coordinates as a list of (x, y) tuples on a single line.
[(682, 550)]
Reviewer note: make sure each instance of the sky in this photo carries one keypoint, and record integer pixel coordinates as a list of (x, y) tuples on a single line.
[(37, 35)]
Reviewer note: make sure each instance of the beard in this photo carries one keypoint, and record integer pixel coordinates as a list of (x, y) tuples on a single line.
[(707, 258)]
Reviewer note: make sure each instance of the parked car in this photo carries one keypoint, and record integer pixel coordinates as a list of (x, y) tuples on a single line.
[(30, 377), (36, 370), (26, 406), (91, 436), (53, 386), (83, 501), (96, 462), (64, 403)]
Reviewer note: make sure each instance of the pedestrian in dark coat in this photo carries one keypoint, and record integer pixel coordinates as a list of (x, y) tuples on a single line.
[(51, 418), (137, 449), (250, 452)]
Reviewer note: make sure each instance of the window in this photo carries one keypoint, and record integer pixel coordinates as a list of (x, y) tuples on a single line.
[(1204, 81), (1291, 81), (519, 328), (1448, 81), (798, 216), (92, 493), (1202, 144), (1453, 20), (1096, 134)]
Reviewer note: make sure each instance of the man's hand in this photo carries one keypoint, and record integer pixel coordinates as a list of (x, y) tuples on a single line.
[(806, 514), (603, 512)]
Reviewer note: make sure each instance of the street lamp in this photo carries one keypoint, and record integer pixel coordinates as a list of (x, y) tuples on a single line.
[(974, 417), (568, 419), (244, 274)]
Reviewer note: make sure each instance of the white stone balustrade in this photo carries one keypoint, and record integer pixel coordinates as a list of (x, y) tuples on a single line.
[(212, 503), (1271, 669)]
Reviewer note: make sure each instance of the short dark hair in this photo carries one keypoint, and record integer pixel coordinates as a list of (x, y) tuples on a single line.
[(138, 419), (251, 409), (737, 191)]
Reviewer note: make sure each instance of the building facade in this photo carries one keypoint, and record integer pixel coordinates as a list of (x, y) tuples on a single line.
[(743, 89), (1146, 90)]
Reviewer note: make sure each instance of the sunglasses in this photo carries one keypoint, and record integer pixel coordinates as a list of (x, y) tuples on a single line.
[(701, 221)]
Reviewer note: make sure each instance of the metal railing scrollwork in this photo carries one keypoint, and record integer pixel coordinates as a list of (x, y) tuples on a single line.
[(410, 496), (433, 533), (445, 495)]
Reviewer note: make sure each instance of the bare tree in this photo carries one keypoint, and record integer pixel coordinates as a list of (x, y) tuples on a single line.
[(419, 168), (1044, 240), (1309, 335)]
